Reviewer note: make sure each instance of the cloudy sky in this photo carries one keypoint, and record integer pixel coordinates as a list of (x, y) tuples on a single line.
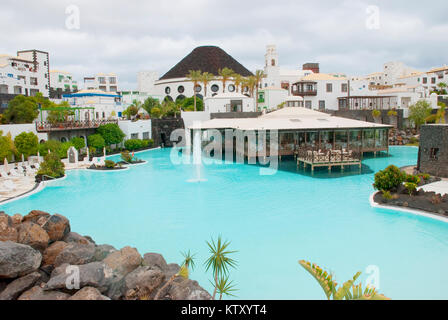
[(128, 36)]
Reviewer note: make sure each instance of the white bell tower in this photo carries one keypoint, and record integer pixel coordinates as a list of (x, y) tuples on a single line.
[(271, 67)]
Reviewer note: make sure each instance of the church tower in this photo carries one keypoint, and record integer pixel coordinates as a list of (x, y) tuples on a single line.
[(271, 67)]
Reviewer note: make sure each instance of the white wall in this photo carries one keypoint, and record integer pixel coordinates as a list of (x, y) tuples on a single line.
[(16, 129), (135, 127)]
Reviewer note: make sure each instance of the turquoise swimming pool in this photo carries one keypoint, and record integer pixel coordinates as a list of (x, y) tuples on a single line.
[(273, 221)]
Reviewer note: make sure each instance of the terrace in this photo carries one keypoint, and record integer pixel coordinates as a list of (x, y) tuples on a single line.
[(46, 126)]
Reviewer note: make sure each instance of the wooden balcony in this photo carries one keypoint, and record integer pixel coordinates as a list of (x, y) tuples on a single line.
[(43, 126)]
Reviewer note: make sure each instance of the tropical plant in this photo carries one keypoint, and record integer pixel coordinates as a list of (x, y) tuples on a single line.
[(134, 144), (150, 103), (187, 104), (225, 75), (156, 113), (96, 141), (389, 179), (111, 133), (237, 80), (182, 273), (259, 75), (62, 151), (419, 112), (348, 291), (250, 83), (7, 148), (220, 263), (411, 187), (26, 143), (59, 112), (442, 86), (412, 178), (52, 166), (109, 164), (126, 156), (439, 116), (424, 176), (206, 78), (225, 286), (52, 145), (194, 76)]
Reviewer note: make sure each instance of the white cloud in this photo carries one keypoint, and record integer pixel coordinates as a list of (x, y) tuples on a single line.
[(125, 37)]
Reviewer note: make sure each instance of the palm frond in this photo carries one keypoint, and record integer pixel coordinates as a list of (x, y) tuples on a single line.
[(324, 279)]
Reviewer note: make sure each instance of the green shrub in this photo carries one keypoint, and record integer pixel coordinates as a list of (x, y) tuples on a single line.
[(109, 164), (134, 144), (387, 195), (111, 133), (62, 152), (424, 176), (52, 166), (126, 156), (52, 145), (392, 113), (156, 113), (78, 143), (96, 141), (411, 187), (26, 143), (389, 179), (413, 179), (376, 113)]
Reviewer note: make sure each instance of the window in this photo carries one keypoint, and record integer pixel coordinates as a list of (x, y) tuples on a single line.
[(231, 88), (308, 104), (433, 80), (322, 105), (344, 87), (134, 135), (433, 153), (180, 89), (215, 88), (102, 80), (104, 115), (146, 135), (198, 88), (167, 90), (329, 87), (425, 80)]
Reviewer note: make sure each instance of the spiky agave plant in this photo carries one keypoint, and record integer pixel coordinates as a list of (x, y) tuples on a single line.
[(347, 291), (219, 261)]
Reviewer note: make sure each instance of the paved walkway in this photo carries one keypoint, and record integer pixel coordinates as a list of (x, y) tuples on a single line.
[(438, 187)]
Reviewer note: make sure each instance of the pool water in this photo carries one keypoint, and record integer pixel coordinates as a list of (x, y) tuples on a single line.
[(273, 221)]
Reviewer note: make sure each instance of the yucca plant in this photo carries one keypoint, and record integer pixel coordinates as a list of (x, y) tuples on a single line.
[(348, 291), (224, 287), (220, 263), (183, 272)]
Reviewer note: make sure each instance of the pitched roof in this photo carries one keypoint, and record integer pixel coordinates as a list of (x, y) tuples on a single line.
[(206, 59)]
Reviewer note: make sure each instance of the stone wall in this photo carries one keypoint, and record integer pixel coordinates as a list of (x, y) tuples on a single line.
[(433, 151), (162, 128)]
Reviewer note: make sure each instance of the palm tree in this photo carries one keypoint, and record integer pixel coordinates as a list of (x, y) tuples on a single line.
[(331, 289), (259, 75), (206, 77), (237, 80), (442, 86), (225, 74), (195, 77), (220, 262)]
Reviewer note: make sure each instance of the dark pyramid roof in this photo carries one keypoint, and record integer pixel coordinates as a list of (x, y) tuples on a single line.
[(207, 59)]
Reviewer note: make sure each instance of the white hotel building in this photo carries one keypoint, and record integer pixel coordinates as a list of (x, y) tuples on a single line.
[(27, 74)]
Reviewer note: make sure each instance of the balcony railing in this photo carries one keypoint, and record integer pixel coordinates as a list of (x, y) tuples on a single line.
[(44, 126)]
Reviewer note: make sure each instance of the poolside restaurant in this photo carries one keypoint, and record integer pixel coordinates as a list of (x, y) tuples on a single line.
[(314, 138)]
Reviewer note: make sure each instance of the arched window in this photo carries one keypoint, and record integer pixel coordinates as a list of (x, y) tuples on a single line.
[(180, 89), (167, 90), (180, 98), (273, 62)]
